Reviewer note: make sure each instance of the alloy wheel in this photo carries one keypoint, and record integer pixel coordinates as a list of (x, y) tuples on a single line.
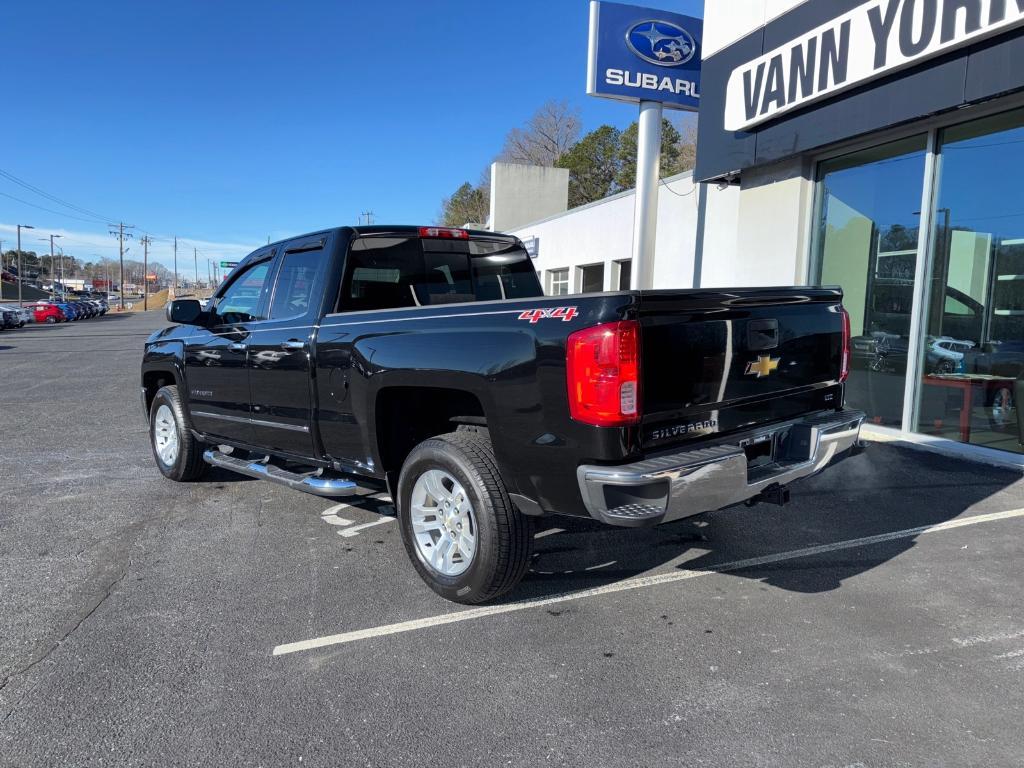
[(443, 524), (165, 435)]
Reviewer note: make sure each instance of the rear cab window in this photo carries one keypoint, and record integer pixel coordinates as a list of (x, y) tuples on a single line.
[(390, 272)]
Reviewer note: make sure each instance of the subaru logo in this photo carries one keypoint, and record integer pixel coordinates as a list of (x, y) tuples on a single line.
[(661, 42)]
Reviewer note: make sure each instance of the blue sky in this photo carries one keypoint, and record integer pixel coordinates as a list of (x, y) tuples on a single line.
[(228, 122)]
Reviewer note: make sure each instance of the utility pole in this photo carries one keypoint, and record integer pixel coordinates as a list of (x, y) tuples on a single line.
[(121, 227), (145, 272), (175, 292), (21, 273), (52, 270), (195, 259), (368, 215)]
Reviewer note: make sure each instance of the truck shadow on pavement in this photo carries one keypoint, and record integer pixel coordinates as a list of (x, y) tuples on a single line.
[(884, 490)]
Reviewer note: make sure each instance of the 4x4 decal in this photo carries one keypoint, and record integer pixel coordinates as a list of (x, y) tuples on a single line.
[(534, 316)]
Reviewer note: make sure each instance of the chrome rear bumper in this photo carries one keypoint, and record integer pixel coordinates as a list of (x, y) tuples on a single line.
[(673, 486)]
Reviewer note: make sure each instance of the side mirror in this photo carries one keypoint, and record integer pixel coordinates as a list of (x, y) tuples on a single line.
[(185, 312)]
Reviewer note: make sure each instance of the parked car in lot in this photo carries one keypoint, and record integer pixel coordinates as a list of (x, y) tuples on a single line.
[(428, 361), (70, 313), (23, 315), (9, 319), (48, 313)]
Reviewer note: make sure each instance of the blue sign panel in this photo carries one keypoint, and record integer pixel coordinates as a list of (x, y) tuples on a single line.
[(641, 54)]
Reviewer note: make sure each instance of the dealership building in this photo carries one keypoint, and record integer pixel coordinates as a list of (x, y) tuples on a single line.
[(875, 145), (880, 146)]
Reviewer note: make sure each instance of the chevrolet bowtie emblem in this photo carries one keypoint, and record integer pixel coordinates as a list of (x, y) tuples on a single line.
[(763, 366)]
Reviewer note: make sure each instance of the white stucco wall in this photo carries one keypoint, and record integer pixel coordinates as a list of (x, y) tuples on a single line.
[(523, 193), (602, 233), (771, 231), (775, 202)]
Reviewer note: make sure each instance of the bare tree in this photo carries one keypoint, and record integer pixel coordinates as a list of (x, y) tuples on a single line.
[(550, 133), (687, 144)]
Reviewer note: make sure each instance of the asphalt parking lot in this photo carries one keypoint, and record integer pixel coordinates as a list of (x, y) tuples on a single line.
[(877, 620)]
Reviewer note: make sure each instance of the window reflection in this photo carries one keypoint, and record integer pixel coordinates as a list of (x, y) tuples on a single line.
[(867, 242), (974, 349)]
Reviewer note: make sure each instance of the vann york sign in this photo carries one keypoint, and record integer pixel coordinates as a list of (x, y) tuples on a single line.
[(874, 39)]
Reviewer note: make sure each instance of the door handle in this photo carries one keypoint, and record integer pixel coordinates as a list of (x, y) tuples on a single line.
[(238, 346), (293, 344)]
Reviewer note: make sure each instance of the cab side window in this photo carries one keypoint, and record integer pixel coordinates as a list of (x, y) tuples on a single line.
[(240, 302), (295, 283)]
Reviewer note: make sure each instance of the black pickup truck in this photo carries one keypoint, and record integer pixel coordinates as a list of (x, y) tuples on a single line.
[(428, 361)]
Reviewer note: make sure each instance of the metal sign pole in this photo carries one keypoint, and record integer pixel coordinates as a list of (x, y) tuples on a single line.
[(645, 216)]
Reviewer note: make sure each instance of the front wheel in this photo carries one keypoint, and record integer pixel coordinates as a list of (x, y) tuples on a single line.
[(178, 455), (464, 536)]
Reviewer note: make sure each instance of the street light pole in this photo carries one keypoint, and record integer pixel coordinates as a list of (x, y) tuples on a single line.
[(21, 273)]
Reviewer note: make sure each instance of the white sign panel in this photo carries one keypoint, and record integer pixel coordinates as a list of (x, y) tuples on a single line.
[(875, 39)]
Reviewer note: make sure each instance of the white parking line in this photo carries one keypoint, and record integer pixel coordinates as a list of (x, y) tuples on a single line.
[(330, 515), (355, 529), (638, 582)]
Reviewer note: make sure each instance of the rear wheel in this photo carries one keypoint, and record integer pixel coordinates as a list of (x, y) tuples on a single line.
[(178, 455), (464, 536), (51, 319)]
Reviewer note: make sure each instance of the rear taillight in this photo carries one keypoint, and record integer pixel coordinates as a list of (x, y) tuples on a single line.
[(603, 372), (844, 369), (444, 233)]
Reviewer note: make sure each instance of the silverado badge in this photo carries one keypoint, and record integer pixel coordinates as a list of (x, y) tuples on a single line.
[(763, 366)]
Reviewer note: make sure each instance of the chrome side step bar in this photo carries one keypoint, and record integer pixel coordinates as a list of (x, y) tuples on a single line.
[(314, 482)]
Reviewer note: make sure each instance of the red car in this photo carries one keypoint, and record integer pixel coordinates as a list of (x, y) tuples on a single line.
[(47, 313)]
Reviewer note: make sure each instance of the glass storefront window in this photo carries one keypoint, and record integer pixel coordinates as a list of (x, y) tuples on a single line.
[(868, 225), (974, 343)]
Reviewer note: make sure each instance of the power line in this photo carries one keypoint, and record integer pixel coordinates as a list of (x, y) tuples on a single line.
[(678, 194), (50, 210), (54, 198)]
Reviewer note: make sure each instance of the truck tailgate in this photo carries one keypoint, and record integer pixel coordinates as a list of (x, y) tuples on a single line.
[(719, 361)]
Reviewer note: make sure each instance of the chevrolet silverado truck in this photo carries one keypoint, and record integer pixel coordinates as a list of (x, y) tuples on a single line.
[(427, 361)]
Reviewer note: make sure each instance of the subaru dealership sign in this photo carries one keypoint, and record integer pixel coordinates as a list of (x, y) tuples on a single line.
[(640, 54)]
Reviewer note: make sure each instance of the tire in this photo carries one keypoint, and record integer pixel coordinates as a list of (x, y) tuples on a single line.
[(51, 319), (503, 537), (167, 422)]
